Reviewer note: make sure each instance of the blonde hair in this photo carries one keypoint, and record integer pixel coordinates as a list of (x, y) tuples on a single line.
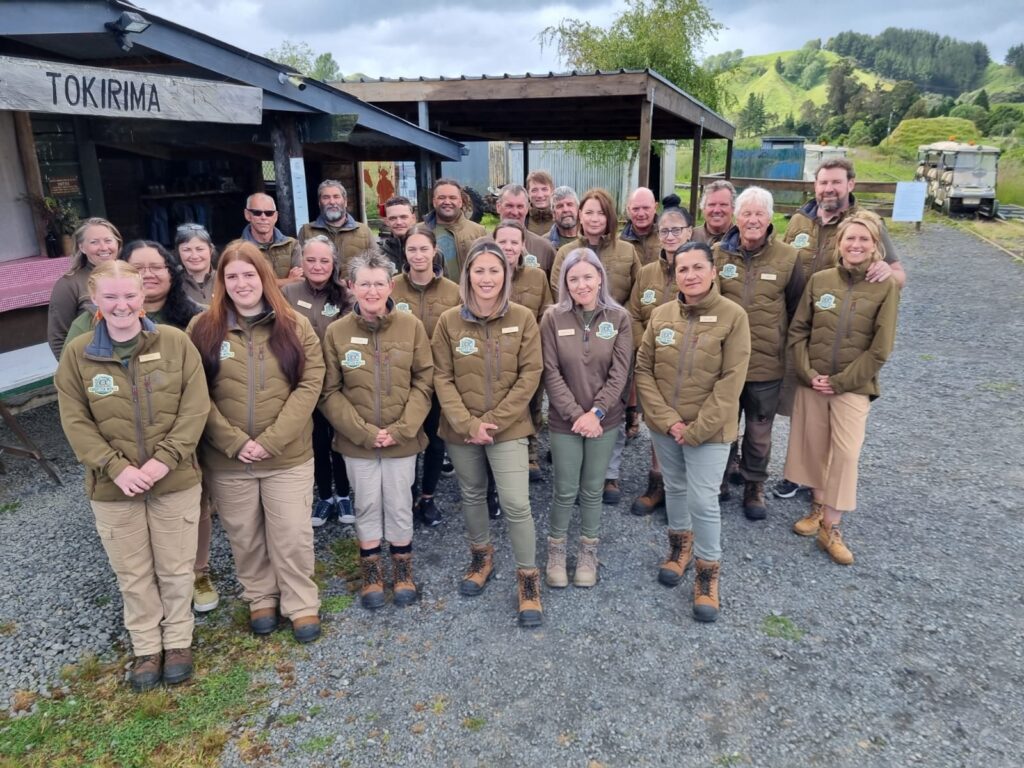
[(80, 259), (872, 223), (113, 269)]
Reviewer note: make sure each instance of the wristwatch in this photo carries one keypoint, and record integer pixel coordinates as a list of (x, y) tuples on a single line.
[(597, 412)]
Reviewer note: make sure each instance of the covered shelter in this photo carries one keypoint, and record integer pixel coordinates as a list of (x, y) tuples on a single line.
[(619, 105)]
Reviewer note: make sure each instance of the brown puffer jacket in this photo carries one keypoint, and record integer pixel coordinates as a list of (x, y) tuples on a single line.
[(844, 328), (313, 304), (655, 285), (426, 302), (69, 299), (379, 376), (464, 231), (620, 263), (530, 288), (117, 415), (710, 239), (691, 367), (768, 285), (540, 220), (647, 247), (540, 252), (486, 371), (251, 398), (350, 238)]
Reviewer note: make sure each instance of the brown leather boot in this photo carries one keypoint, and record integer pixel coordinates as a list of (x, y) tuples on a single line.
[(371, 596), (753, 500), (530, 613), (586, 563), (177, 665), (405, 587), (831, 540), (145, 672), (480, 570), (809, 523), (653, 497), (555, 572), (680, 551), (632, 425), (705, 591)]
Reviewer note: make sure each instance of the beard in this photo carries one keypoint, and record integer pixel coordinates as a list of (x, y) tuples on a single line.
[(334, 214), (830, 203)]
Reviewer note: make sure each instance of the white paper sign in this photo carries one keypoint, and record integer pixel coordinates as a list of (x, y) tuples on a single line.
[(909, 202), (299, 200)]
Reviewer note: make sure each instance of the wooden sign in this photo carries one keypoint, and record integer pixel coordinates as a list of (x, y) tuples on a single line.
[(64, 186), (29, 85)]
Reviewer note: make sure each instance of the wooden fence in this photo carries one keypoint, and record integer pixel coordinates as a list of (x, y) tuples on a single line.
[(876, 196)]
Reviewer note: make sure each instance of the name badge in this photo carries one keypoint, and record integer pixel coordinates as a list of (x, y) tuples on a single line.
[(709, 318), (304, 304), (769, 276), (566, 331), (149, 358), (360, 340), (511, 329)]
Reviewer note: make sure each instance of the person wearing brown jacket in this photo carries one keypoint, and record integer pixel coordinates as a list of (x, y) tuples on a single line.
[(265, 368), (512, 205), (717, 203), (690, 370), (842, 334), (487, 365), (424, 292), (641, 229), (350, 237), (454, 232), (588, 353), (761, 274), (133, 403), (96, 241), (323, 299), (376, 396), (280, 250), (197, 256)]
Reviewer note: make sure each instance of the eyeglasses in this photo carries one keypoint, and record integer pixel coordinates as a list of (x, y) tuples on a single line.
[(258, 212), (366, 287), (153, 269), (672, 231)]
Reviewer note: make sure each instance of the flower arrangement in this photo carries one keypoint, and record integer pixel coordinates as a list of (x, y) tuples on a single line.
[(60, 216)]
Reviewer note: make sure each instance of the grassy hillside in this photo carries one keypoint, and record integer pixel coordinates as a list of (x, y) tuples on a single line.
[(1000, 78), (910, 134)]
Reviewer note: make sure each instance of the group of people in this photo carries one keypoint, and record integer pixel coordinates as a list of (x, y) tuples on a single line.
[(331, 376)]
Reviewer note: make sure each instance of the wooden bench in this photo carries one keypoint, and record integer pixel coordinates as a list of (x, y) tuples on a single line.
[(26, 382)]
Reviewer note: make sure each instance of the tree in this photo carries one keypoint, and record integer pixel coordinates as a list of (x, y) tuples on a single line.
[(778, 64), (842, 86), (1015, 58), (754, 118), (301, 58), (981, 100)]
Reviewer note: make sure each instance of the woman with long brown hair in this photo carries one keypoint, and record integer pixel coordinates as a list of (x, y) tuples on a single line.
[(265, 370)]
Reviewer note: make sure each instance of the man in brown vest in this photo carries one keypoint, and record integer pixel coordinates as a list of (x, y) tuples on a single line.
[(716, 206), (284, 253), (512, 205), (349, 236)]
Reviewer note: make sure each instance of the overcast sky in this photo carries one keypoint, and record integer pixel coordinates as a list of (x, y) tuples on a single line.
[(391, 38)]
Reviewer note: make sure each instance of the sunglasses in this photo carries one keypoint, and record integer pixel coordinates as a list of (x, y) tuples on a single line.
[(191, 228), (258, 212)]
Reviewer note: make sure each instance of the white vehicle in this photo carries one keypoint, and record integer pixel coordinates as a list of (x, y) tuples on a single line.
[(961, 177)]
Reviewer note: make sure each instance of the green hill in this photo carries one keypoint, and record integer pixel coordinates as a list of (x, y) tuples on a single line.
[(910, 134), (1001, 79)]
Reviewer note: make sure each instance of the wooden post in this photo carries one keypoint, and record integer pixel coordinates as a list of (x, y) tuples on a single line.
[(526, 160), (728, 159), (646, 118), (30, 167), (425, 172), (284, 137), (698, 135)]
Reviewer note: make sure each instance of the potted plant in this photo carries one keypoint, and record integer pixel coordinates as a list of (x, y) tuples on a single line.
[(60, 217)]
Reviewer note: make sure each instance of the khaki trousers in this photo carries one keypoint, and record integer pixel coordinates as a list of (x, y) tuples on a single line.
[(825, 438), (202, 564), (383, 497), (265, 513), (151, 544)]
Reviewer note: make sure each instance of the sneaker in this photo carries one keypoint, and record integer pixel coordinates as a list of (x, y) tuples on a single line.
[(611, 495), (345, 514), (784, 489), (204, 594), (447, 468), (428, 513), (322, 512), (493, 505)]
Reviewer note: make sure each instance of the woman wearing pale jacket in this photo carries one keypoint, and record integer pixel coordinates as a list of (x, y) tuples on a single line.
[(690, 370), (588, 353), (133, 403), (265, 370), (841, 335), (376, 396), (487, 365)]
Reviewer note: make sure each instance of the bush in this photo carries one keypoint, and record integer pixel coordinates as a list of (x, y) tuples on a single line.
[(910, 134)]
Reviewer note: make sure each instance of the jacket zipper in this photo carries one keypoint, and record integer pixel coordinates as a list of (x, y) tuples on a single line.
[(251, 366), (748, 272), (488, 394), (149, 397), (140, 439), (844, 316), (682, 359), (263, 370), (376, 378)]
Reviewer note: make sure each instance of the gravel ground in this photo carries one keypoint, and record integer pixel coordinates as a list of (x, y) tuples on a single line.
[(912, 656)]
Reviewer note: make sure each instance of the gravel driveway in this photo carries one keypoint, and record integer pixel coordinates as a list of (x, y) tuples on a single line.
[(914, 655)]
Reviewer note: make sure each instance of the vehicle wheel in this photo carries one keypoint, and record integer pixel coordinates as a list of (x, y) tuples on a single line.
[(947, 207), (477, 205)]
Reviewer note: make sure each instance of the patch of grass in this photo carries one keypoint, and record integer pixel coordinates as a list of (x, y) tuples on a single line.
[(345, 558), (8, 628), (733, 758), (438, 705), (289, 719), (1000, 386), (781, 626), (928, 358), (474, 724), (101, 601), (335, 603), (319, 744), (910, 134), (10, 506)]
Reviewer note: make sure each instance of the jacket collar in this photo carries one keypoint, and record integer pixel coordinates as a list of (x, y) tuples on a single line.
[(810, 210), (701, 306), (469, 317), (247, 235), (630, 235), (731, 241), (233, 324), (377, 324), (438, 274), (102, 346), (854, 274), (347, 224), (431, 221)]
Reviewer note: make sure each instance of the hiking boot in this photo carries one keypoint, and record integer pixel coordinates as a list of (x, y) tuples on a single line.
[(530, 613), (611, 495), (493, 505), (784, 489), (586, 563), (371, 594), (263, 621), (753, 500), (345, 513), (632, 422), (428, 513), (831, 540), (323, 511), (177, 665), (680, 551), (306, 629), (555, 571), (653, 497), (732, 471), (481, 568), (724, 490), (145, 672), (405, 587), (204, 594), (808, 524), (447, 468), (535, 474), (705, 591)]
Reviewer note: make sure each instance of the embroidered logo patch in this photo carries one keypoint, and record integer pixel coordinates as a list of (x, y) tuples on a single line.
[(667, 337), (330, 310), (225, 350), (802, 240), (103, 385), (606, 331), (403, 307), (530, 260), (728, 271), (353, 359), (827, 301), (467, 346), (649, 297)]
